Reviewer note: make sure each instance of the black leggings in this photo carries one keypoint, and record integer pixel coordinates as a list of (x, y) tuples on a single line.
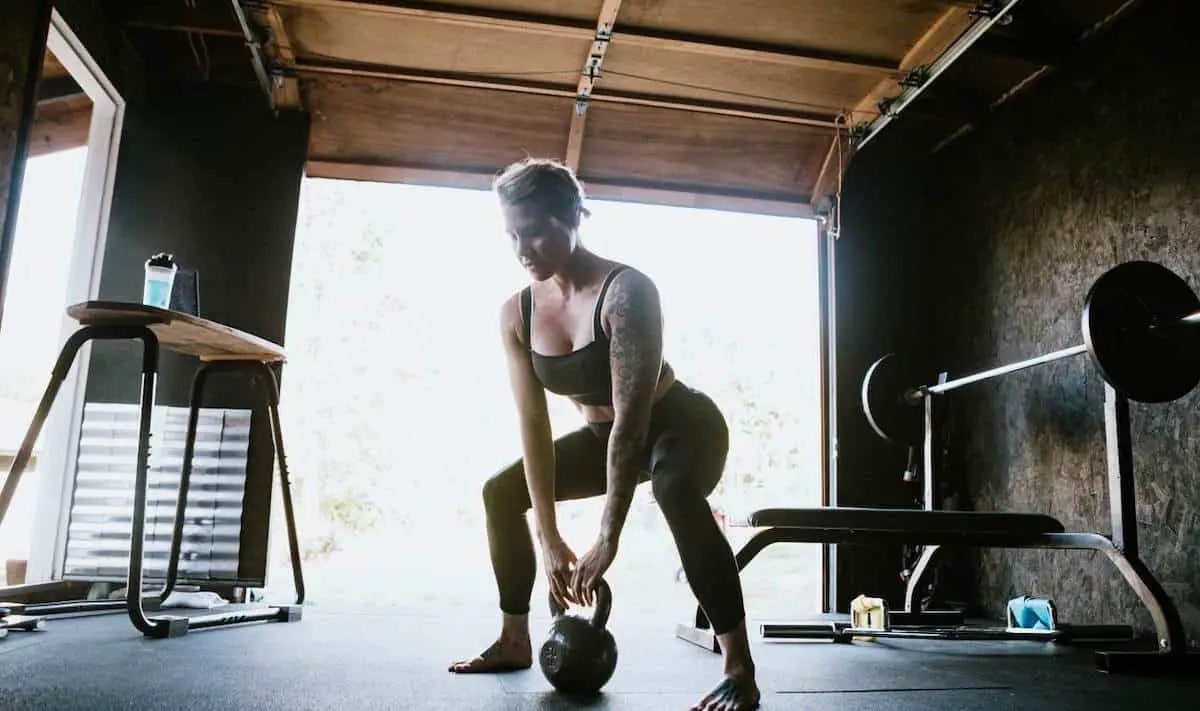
[(685, 457)]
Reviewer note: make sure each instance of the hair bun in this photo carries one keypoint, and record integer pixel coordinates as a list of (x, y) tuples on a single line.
[(545, 184)]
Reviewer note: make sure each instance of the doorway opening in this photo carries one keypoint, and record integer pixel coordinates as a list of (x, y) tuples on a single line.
[(61, 221), (397, 405)]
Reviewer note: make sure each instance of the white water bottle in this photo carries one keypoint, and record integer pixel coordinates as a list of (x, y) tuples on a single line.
[(160, 280)]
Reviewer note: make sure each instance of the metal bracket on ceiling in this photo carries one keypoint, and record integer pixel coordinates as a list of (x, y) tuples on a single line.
[(987, 14), (915, 77), (859, 131), (989, 9), (256, 54), (590, 74), (591, 68)]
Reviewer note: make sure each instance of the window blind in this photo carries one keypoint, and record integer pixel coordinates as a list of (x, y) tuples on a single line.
[(100, 523)]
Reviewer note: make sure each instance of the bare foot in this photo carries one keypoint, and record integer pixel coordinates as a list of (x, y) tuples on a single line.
[(736, 692), (502, 656)]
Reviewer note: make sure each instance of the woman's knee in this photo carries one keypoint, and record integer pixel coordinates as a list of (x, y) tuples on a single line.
[(675, 490), (505, 490), (680, 477)]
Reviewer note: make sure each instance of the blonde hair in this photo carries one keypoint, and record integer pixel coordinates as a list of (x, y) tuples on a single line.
[(546, 185)]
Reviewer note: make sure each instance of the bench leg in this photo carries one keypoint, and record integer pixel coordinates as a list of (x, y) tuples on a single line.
[(913, 614)]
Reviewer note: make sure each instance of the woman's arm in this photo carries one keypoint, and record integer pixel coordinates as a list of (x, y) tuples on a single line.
[(537, 442), (634, 316)]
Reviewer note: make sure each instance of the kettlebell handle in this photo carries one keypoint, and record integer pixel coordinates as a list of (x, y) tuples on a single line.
[(603, 605)]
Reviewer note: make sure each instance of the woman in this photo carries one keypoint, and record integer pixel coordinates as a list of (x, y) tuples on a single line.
[(591, 329)]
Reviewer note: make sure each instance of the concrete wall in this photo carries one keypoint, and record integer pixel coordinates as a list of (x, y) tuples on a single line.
[(1100, 164), (1097, 164), (211, 176)]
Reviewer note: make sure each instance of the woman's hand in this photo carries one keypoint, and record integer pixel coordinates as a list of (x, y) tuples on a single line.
[(558, 558), (591, 568)]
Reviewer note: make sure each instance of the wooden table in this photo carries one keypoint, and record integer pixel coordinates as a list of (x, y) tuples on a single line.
[(180, 332), (219, 348)]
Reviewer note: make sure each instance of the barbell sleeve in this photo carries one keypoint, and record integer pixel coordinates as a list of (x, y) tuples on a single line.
[(1005, 369)]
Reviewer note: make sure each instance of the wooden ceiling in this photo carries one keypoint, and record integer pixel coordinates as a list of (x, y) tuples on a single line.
[(64, 112), (755, 104)]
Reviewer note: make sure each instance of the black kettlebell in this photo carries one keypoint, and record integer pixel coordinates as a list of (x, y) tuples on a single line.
[(579, 655)]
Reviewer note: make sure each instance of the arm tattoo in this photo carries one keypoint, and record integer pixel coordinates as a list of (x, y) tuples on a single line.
[(635, 347)]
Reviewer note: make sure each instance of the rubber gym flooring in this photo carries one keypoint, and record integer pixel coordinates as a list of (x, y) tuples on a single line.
[(396, 659)]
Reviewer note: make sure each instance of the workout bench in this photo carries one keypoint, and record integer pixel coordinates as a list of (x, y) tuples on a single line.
[(1141, 324), (220, 349)]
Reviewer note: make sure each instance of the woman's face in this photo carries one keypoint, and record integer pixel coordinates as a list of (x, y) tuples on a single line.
[(541, 243)]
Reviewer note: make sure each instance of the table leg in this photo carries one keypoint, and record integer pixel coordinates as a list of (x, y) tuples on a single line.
[(280, 613), (185, 476), (164, 626), (285, 482), (62, 367)]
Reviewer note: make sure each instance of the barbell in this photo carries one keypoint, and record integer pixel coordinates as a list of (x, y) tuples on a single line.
[(1141, 329)]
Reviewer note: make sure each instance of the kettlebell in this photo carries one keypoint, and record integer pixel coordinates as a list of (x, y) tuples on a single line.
[(579, 655)]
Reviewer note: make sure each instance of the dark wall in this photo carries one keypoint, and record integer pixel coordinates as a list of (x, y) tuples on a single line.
[(211, 176), (880, 309), (1100, 164), (23, 27), (109, 47), (1097, 164)]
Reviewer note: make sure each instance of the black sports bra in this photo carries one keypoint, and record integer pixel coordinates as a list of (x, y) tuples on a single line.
[(584, 375)]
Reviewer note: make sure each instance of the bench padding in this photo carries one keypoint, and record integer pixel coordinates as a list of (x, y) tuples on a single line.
[(964, 523)]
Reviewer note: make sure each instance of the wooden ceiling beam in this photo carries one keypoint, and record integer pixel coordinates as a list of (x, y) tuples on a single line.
[(597, 188), (358, 69), (171, 27), (587, 79), (60, 125), (832, 169), (800, 57)]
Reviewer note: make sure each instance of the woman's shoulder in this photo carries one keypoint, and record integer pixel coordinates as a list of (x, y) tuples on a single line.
[(512, 311), (628, 278)]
